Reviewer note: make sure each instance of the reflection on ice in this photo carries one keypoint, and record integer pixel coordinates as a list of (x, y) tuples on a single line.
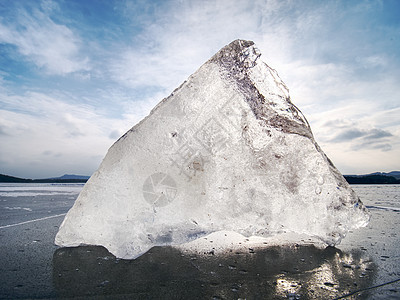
[(293, 272)]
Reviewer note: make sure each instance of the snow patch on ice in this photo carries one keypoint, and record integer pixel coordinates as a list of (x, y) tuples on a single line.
[(223, 242), (18, 208)]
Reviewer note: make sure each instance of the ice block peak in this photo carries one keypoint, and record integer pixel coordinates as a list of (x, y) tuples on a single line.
[(227, 150), (267, 95)]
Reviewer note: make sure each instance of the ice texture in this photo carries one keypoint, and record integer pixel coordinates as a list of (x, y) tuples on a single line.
[(227, 150)]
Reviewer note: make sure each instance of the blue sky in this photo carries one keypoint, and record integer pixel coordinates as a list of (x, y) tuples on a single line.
[(76, 75)]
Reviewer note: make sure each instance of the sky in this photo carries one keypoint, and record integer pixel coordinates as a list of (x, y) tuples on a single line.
[(76, 75)]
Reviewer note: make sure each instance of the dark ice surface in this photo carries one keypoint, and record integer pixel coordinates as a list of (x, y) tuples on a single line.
[(365, 266), (26, 249)]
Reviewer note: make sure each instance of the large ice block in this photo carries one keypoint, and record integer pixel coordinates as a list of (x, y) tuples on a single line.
[(227, 150)]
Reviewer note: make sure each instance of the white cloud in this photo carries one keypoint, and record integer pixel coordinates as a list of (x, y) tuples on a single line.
[(49, 5), (183, 36), (50, 46), (52, 135), (372, 61), (364, 160)]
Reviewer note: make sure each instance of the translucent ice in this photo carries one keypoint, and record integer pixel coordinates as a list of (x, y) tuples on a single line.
[(227, 150)]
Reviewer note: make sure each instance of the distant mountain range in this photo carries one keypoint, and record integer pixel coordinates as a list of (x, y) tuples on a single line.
[(373, 178), (71, 176), (66, 178), (395, 174)]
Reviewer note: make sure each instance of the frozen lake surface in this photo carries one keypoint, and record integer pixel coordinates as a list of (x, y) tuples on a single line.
[(364, 266)]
